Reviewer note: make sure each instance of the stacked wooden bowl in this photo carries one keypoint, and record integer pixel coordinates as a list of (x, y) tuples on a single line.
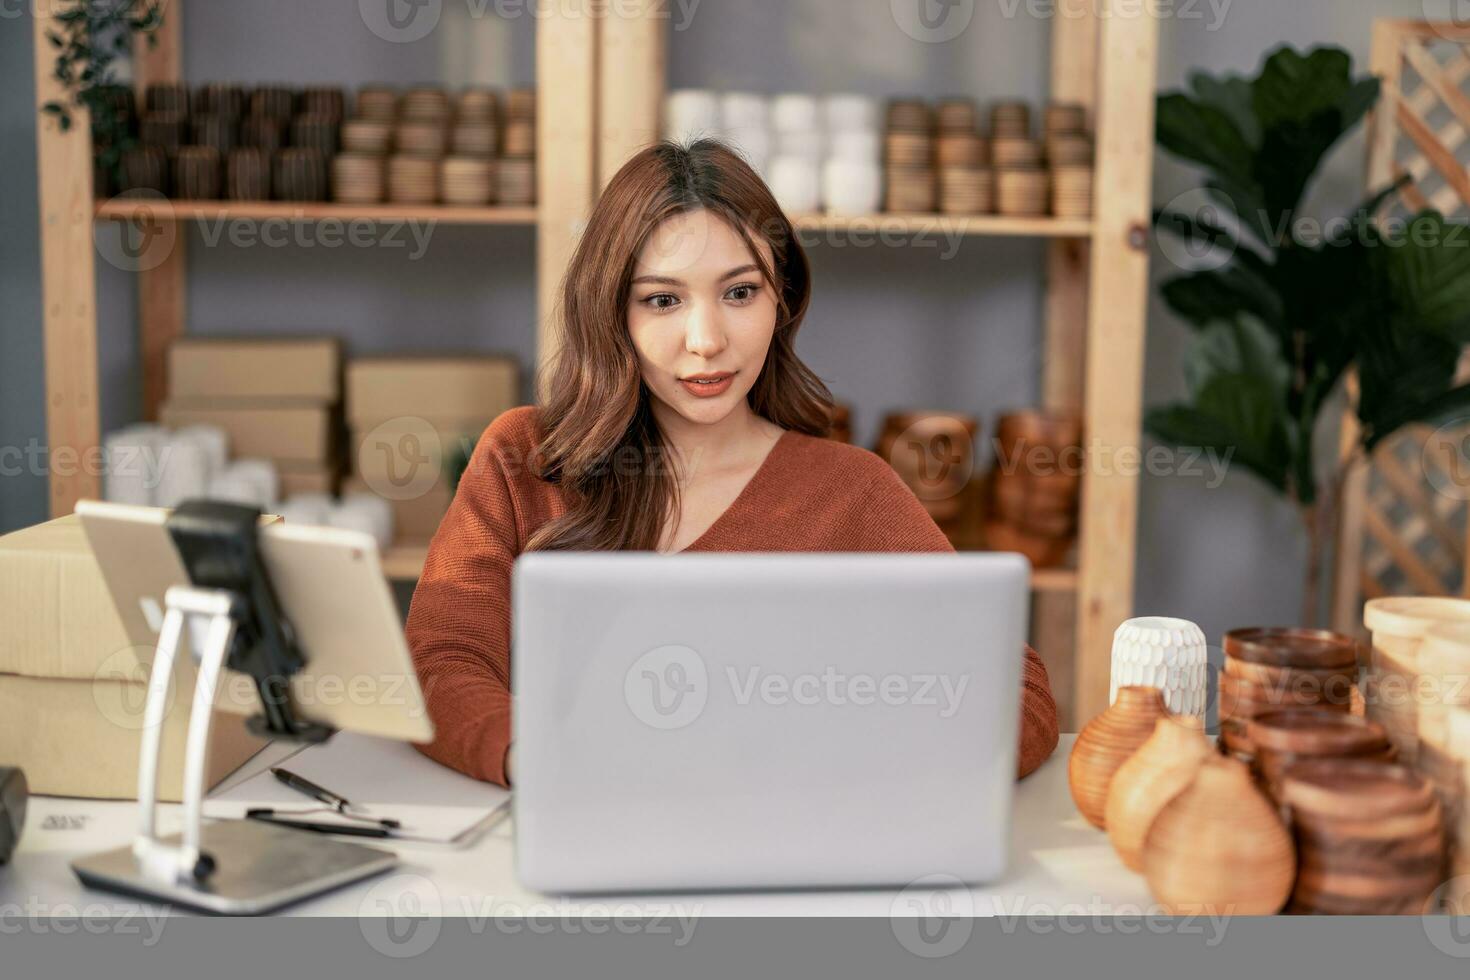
[(1369, 835), (1396, 676), (299, 174), (910, 180), (1035, 487), (961, 156), (934, 454), (1269, 668), (1290, 735), (145, 169), (1069, 158), (248, 174), (357, 178), (515, 171)]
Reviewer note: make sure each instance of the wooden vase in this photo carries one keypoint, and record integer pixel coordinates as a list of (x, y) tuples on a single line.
[(1106, 743), (1219, 847), (1152, 776)]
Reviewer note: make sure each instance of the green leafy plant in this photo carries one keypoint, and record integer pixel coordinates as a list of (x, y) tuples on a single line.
[(90, 35), (1285, 309)]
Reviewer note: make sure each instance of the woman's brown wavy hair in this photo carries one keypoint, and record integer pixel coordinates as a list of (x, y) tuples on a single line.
[(598, 437)]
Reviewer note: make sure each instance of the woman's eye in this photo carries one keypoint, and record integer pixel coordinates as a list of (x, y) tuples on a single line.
[(662, 301), (742, 293)]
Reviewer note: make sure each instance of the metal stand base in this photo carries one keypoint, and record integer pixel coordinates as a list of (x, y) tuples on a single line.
[(260, 868)]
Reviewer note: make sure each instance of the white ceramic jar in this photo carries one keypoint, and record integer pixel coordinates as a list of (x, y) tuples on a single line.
[(1163, 652)]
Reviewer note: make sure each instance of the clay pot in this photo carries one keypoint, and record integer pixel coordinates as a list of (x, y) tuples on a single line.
[(1219, 847), (1370, 837), (934, 454), (1152, 776), (1398, 626), (1016, 432), (1106, 743), (1279, 739)]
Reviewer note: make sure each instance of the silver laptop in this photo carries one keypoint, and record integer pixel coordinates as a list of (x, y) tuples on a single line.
[(696, 722)]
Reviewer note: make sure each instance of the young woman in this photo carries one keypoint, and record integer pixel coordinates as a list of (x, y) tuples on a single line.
[(677, 418)]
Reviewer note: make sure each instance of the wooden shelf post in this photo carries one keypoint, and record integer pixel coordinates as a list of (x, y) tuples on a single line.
[(68, 288), (1117, 312)]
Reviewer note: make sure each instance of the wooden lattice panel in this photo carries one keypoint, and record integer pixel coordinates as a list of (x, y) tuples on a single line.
[(1421, 128), (1403, 528)]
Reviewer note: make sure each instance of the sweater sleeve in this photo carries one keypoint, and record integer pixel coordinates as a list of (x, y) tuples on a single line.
[(888, 517), (459, 623)]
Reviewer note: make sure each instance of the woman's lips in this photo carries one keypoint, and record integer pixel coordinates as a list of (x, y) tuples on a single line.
[(708, 389)]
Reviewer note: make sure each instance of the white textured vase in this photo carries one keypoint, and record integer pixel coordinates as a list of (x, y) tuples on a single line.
[(1166, 653)]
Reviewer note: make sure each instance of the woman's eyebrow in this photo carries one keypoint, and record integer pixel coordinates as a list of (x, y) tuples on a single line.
[(660, 280), (742, 270)]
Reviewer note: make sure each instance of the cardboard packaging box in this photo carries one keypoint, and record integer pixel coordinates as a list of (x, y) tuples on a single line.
[(73, 680), (299, 432), (437, 387), (306, 478), (307, 368), (82, 738), (415, 519), (393, 451)]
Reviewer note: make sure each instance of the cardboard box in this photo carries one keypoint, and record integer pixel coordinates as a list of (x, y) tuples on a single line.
[(439, 387), (58, 617), (306, 478), (82, 738), (415, 519), (400, 451), (283, 431), (307, 368)]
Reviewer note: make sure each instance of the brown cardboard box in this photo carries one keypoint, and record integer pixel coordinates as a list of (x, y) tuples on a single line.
[(58, 618), (395, 451), (282, 431), (301, 368), (82, 738), (72, 682), (306, 478), (415, 519), (442, 387)]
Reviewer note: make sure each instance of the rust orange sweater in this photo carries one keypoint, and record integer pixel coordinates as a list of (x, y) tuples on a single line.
[(810, 494)]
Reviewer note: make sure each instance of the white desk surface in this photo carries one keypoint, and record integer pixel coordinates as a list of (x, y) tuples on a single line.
[(1059, 866)]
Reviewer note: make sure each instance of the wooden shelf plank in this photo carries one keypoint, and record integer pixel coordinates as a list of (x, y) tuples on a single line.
[(946, 224), (1054, 580), (121, 209)]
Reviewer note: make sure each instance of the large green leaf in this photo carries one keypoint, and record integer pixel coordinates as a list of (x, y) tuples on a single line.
[(1232, 95), (1429, 271), (1241, 345), (1203, 134), (1293, 88), (1222, 294), (1234, 415)]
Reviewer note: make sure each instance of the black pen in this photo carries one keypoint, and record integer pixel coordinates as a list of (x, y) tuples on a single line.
[(303, 785), (351, 830)]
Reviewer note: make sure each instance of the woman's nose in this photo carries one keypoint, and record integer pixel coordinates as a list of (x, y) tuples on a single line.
[(703, 333)]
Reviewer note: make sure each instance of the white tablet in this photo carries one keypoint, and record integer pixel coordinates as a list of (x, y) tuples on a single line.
[(358, 674)]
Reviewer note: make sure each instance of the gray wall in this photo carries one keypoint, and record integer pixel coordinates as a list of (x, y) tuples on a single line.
[(890, 326)]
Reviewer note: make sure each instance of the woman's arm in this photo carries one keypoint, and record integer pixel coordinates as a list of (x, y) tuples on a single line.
[(459, 623)]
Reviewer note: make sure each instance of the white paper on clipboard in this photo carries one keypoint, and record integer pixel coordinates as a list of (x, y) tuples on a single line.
[(383, 778)]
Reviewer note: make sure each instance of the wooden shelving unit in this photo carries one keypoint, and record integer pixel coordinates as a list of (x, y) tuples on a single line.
[(601, 80), (156, 209)]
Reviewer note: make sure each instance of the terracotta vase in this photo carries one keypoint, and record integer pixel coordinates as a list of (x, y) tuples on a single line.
[(1219, 847), (1106, 743), (1151, 777)]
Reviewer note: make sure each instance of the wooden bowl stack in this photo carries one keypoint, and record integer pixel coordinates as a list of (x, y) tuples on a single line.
[(1269, 668), (910, 184), (360, 171), (248, 174), (1369, 835), (1290, 735), (1020, 181), (144, 168), (1069, 156), (197, 172), (515, 170), (1035, 487), (299, 174), (933, 453), (961, 155)]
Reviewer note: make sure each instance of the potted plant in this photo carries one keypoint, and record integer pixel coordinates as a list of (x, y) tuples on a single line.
[(1284, 309)]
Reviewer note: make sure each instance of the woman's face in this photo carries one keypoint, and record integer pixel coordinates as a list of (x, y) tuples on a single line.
[(700, 309)]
